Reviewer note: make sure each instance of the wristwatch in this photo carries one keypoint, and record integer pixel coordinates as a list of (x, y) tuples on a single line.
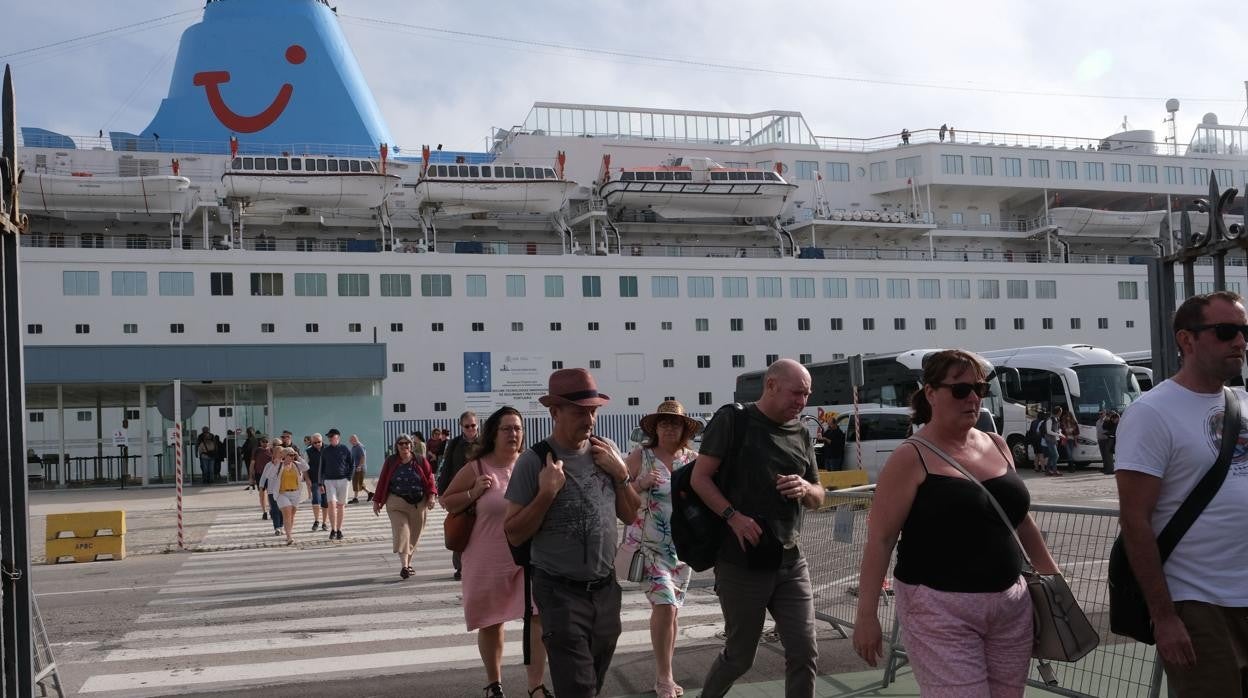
[(728, 512), (627, 479)]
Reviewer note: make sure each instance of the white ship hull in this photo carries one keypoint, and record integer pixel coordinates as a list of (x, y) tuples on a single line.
[(761, 200), (350, 191), (459, 197), (155, 194)]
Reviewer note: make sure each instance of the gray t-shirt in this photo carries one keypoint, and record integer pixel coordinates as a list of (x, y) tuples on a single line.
[(577, 538), (357, 456)]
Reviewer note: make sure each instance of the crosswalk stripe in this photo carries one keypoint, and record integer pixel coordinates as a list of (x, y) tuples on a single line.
[(280, 582)]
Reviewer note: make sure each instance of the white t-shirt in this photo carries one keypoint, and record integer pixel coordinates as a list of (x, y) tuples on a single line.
[(1175, 434)]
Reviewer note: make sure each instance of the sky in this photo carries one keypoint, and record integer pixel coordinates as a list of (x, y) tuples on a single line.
[(448, 71)]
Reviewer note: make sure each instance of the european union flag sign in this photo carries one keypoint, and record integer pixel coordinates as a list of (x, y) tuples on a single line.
[(477, 372)]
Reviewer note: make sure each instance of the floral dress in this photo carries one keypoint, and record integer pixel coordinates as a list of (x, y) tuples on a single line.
[(668, 577)]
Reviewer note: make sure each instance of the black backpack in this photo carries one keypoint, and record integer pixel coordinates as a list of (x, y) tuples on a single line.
[(1033, 434), (696, 530)]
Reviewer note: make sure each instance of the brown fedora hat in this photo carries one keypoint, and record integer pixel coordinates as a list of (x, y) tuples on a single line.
[(670, 408), (573, 386)]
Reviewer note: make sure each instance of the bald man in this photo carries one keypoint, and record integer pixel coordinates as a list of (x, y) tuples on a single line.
[(760, 566)]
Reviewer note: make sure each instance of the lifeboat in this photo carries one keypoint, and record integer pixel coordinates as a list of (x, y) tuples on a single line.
[(462, 188), (1077, 220), (313, 181), (87, 192), (693, 187)]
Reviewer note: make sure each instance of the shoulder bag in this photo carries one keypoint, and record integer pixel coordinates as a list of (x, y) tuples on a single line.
[(1128, 611), (630, 558), (457, 529), (1060, 629)]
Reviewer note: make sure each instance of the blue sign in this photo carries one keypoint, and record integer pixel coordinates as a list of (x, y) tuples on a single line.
[(477, 372)]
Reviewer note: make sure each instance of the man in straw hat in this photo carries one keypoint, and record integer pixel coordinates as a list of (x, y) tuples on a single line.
[(568, 507), (759, 566)]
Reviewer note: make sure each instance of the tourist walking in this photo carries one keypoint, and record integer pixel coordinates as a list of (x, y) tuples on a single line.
[(358, 455), (320, 509), (566, 508), (1168, 440), (289, 471), (1052, 442), (336, 472), (206, 445), (406, 489), (668, 431), (760, 566), (493, 591), (454, 455), (962, 602), (260, 457)]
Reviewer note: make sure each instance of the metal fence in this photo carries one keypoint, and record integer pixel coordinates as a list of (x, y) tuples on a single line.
[(1079, 539)]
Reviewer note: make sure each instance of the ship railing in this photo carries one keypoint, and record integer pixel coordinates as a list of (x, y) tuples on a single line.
[(126, 143), (995, 138)]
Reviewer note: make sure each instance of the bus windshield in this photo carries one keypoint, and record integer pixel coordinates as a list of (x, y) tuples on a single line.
[(1107, 387)]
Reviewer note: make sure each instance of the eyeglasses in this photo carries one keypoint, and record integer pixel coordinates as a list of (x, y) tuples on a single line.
[(516, 429), (1224, 331), (961, 390), (467, 426), (404, 443)]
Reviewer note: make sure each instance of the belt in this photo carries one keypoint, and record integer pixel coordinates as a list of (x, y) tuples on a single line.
[(591, 585)]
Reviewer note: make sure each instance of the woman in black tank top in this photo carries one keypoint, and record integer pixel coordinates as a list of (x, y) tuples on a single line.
[(965, 614)]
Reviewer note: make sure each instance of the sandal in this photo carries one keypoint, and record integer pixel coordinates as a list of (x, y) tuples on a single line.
[(405, 572), (545, 692), (668, 689), (494, 690)]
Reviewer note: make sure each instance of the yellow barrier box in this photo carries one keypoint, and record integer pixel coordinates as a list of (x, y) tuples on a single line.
[(86, 549), (839, 480), (86, 524)]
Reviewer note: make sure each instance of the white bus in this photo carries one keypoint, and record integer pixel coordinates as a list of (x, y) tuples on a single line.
[(1084, 379)]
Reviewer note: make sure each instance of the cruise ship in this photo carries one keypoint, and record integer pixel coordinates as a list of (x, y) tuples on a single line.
[(266, 242)]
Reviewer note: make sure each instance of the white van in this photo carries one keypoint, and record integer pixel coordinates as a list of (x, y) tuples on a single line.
[(883, 430)]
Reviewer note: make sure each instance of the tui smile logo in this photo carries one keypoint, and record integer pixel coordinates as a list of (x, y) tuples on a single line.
[(211, 81)]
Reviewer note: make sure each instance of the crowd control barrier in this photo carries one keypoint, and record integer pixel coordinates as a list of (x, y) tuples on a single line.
[(86, 536)]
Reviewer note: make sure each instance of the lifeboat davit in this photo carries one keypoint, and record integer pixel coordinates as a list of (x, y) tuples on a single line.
[(695, 187), (462, 188), (313, 181), (87, 192)]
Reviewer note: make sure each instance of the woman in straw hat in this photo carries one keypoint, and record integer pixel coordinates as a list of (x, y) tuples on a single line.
[(668, 431)]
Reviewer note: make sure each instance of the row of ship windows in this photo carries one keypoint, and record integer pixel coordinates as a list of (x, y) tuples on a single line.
[(704, 398), (302, 164), (484, 171), (134, 283), (770, 324), (1038, 168), (715, 176)]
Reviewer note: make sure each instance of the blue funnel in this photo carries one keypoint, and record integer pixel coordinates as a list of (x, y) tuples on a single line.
[(277, 74)]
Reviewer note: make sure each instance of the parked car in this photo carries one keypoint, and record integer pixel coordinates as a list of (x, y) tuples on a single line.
[(883, 430)]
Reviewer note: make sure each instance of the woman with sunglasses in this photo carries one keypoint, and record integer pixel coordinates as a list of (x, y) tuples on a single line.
[(493, 585), (286, 478), (406, 489), (964, 609)]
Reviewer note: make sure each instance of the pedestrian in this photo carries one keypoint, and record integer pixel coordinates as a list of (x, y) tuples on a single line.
[(418, 445), (944, 128), (437, 440), (455, 454), (1035, 438), (1111, 442), (760, 565), (320, 508), (951, 136), (1052, 441), (833, 451), (668, 431), (493, 591), (219, 451), (566, 508), (269, 484), (245, 452), (905, 136), (260, 457), (336, 472), (358, 456), (288, 471), (406, 489), (206, 444), (1170, 439), (962, 602), (1070, 437)]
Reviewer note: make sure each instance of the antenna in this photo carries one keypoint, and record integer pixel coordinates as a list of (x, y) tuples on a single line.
[(1172, 106)]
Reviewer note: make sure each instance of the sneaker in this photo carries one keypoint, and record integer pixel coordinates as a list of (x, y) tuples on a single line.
[(370, 496), (339, 533), (494, 690), (457, 575), (315, 525), (277, 531), (332, 534), (264, 516), (353, 500)]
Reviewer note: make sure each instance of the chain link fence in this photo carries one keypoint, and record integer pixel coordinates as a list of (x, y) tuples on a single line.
[(1079, 539)]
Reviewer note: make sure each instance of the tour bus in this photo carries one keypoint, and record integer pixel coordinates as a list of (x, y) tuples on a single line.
[(1141, 364), (1084, 379)]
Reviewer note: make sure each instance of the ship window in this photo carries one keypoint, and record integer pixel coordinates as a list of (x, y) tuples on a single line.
[(664, 176), (367, 166), (550, 174), (736, 176), (773, 177), (645, 176), (684, 176), (474, 171), (755, 176), (537, 172), (270, 163), (333, 165), (236, 163), (626, 176), (355, 165), (296, 163), (248, 164), (321, 166), (719, 176), (498, 171), (343, 166), (283, 164), (528, 173), (509, 172)]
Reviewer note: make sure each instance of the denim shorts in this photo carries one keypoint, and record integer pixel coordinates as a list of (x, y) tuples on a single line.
[(318, 497)]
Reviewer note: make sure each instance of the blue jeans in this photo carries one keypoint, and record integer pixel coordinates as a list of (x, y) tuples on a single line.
[(206, 466), (275, 514), (1050, 452)]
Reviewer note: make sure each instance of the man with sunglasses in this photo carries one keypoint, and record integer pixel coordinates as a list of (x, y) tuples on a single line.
[(1166, 442), (455, 455)]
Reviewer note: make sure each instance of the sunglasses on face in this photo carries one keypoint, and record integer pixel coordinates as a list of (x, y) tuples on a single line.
[(961, 390), (404, 443), (1224, 331)]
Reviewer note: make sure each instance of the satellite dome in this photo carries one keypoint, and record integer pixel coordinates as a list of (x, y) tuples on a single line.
[(1210, 119), (1172, 105)]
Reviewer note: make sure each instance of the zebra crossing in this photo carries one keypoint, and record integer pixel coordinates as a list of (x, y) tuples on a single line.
[(263, 613)]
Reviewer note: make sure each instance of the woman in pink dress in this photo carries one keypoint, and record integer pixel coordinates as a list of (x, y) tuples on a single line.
[(493, 586)]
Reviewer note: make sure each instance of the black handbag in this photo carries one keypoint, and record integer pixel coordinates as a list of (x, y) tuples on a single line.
[(1060, 629), (1128, 610)]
